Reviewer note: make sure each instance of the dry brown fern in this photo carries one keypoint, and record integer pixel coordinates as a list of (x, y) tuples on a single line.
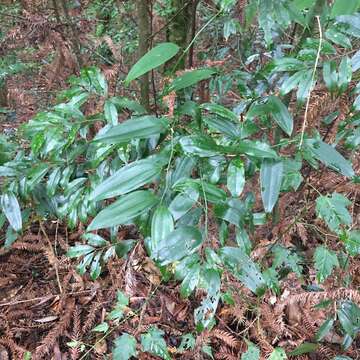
[(226, 338)]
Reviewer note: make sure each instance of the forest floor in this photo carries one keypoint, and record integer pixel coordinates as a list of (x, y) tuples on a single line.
[(45, 304)]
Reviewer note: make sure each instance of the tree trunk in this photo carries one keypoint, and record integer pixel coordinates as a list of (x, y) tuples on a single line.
[(143, 10)]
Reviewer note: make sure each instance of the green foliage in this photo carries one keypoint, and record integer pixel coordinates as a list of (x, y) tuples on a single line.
[(325, 262), (252, 352), (154, 343), (124, 347)]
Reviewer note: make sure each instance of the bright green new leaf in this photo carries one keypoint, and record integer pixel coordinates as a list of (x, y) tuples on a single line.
[(278, 354), (162, 225), (124, 210), (128, 178), (271, 173), (325, 262), (330, 157), (236, 177), (181, 242), (304, 348), (281, 114), (252, 353), (136, 128), (333, 211), (190, 78), (124, 347), (11, 209), (103, 327), (157, 56)]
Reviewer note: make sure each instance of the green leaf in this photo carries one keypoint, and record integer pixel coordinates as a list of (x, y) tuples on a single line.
[(288, 64), (124, 347), (220, 111), (352, 242), (281, 114), (95, 268), (243, 269), (136, 128), (188, 342), (325, 262), (341, 7), (345, 74), (154, 343), (333, 211), (236, 177), (128, 178), (190, 78), (286, 257), (183, 202), (271, 173), (157, 56), (305, 86), (190, 281), (349, 317), (199, 145), (95, 240), (278, 354), (79, 250), (162, 225), (125, 209), (110, 112), (338, 38), (122, 302), (266, 22), (181, 242), (252, 353), (256, 149), (324, 329), (103, 327), (330, 157), (330, 75), (292, 82), (304, 349), (11, 209), (355, 61)]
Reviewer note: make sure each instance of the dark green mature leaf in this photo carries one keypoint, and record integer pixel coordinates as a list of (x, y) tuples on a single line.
[(199, 145), (281, 114), (157, 56), (288, 64), (352, 242), (191, 280), (341, 7), (220, 111), (305, 86), (110, 112), (271, 174), (190, 78), (325, 262), (278, 354), (292, 82), (349, 317), (124, 210), (162, 225), (136, 128), (355, 61), (204, 314), (127, 179), (256, 149), (154, 343), (124, 347), (181, 242), (334, 35), (236, 177), (333, 211), (345, 74), (11, 209), (330, 75), (79, 250), (329, 157), (183, 202), (243, 268), (324, 329), (252, 352)]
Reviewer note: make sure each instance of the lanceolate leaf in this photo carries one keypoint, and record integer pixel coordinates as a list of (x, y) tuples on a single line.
[(220, 111), (271, 174), (236, 177), (325, 261), (110, 112), (243, 268), (125, 209), (161, 226), (330, 157), (179, 243), (136, 128), (157, 56), (11, 209), (199, 145), (292, 82), (190, 78), (281, 114), (128, 178)]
